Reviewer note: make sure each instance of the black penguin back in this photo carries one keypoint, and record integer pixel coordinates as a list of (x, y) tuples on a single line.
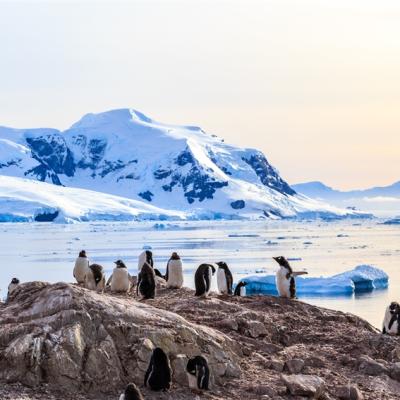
[(159, 374)]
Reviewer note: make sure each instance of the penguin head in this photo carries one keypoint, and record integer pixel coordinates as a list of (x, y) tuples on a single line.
[(120, 264), (212, 269), (242, 283), (159, 355), (132, 391), (149, 257), (394, 307), (82, 253), (15, 281), (191, 366), (223, 265), (282, 262), (175, 256)]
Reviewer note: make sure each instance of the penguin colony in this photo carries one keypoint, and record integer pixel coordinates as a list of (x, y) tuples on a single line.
[(158, 376)]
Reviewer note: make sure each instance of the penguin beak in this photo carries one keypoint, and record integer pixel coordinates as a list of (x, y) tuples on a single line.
[(275, 258)]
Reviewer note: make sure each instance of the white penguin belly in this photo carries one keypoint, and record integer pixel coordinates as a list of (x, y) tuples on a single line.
[(120, 280), (192, 379), (122, 397), (221, 281), (175, 274), (209, 272), (243, 291), (282, 284), (81, 268), (394, 328)]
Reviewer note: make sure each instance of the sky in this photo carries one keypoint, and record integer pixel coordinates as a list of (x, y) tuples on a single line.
[(314, 84)]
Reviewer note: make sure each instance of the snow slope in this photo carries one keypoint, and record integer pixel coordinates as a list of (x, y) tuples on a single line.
[(124, 153), (24, 200)]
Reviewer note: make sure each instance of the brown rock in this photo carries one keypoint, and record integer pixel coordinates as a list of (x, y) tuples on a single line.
[(369, 366), (304, 385), (294, 366), (349, 392)]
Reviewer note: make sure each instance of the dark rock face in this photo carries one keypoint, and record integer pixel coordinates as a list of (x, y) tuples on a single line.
[(53, 154), (196, 184), (46, 216), (267, 174), (238, 204), (147, 195)]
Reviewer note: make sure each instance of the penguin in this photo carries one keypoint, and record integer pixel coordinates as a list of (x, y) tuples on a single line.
[(95, 278), (81, 267), (285, 281), (158, 375), (202, 279), (224, 278), (146, 284), (132, 392), (145, 257), (120, 279), (174, 273), (391, 322), (12, 286), (198, 373), (240, 289)]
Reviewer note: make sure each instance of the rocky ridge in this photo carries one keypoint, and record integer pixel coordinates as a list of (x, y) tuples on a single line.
[(89, 345)]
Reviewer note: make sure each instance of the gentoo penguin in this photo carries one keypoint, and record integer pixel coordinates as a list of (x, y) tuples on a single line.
[(120, 279), (198, 373), (285, 282), (81, 267), (12, 286), (159, 373), (132, 392), (240, 289), (391, 322), (202, 279), (145, 257), (174, 274), (95, 278), (224, 278), (146, 284)]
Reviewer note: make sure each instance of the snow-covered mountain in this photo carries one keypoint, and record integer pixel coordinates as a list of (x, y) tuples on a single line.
[(25, 200), (383, 201), (182, 168)]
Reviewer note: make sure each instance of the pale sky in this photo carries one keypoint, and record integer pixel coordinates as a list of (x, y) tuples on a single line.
[(314, 84)]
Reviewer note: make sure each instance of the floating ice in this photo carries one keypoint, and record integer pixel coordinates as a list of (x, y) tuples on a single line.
[(360, 279)]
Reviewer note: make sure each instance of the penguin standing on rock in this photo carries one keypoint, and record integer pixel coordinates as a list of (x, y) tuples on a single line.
[(81, 267), (174, 274), (158, 375), (391, 322), (145, 257), (224, 278), (146, 284), (132, 392), (198, 373), (202, 279), (95, 278), (240, 289), (12, 286), (120, 279), (285, 278)]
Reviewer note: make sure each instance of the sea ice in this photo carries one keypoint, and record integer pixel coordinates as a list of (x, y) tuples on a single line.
[(360, 279)]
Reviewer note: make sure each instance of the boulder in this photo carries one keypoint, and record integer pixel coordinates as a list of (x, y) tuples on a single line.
[(67, 336), (369, 366), (349, 392), (304, 385), (294, 366)]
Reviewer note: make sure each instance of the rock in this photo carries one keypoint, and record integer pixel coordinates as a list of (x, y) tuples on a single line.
[(314, 361), (394, 372), (272, 348), (178, 365), (77, 339), (276, 365), (229, 323), (369, 366), (349, 392), (304, 385), (254, 329), (294, 366)]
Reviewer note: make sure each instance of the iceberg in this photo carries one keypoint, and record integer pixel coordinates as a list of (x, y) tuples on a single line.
[(360, 279)]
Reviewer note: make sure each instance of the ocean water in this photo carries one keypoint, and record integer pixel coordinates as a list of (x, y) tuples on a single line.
[(47, 251)]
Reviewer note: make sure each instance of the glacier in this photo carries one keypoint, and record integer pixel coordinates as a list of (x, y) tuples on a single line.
[(182, 169), (362, 278)]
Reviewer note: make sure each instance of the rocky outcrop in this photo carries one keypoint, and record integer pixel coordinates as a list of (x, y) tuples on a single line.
[(71, 338), (90, 345)]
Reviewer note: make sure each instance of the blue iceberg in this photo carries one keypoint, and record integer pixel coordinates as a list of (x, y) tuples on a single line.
[(360, 279)]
